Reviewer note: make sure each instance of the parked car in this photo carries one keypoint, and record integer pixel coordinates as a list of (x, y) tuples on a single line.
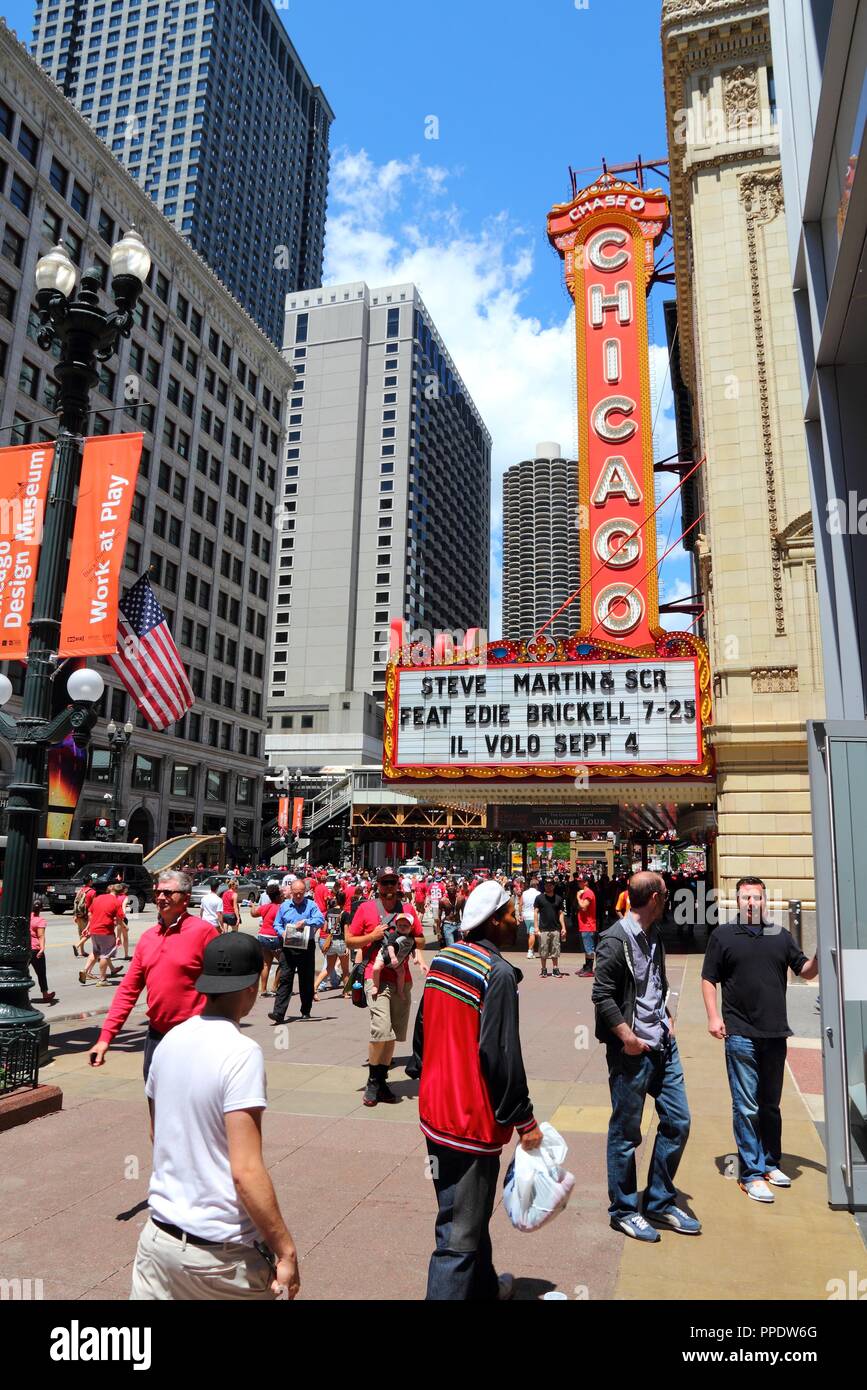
[(249, 891), (60, 895)]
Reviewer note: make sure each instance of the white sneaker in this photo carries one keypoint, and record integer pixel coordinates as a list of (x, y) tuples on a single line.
[(777, 1178), (529, 955), (758, 1189), (505, 1287)]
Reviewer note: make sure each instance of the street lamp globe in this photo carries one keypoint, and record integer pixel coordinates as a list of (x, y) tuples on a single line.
[(85, 685), (111, 729), (56, 272), (5, 690), (131, 257), (122, 824), (129, 729), (223, 829), (194, 830)]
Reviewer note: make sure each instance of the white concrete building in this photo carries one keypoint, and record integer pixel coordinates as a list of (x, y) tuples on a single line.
[(385, 513)]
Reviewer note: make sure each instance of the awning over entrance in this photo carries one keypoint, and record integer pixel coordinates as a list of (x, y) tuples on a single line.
[(464, 792)]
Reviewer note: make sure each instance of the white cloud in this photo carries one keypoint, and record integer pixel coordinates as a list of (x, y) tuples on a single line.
[(393, 223)]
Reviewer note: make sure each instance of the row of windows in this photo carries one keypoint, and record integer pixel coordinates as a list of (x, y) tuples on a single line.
[(147, 772), (20, 194)]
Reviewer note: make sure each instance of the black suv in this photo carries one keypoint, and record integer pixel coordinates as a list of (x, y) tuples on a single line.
[(60, 895)]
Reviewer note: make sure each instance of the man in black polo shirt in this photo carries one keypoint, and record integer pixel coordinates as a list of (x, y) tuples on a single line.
[(549, 925), (750, 959)]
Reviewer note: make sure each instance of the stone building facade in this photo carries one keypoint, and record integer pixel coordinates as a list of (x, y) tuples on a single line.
[(738, 349), (208, 390)]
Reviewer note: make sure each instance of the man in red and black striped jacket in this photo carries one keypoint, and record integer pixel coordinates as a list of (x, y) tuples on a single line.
[(473, 1092)]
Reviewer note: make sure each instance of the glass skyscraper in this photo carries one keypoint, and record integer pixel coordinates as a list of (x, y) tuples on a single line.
[(208, 105)]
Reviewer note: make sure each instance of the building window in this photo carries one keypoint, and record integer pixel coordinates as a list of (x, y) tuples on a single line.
[(12, 248), (183, 780), (215, 782), (28, 144), (19, 194), (101, 766), (145, 773), (79, 199)]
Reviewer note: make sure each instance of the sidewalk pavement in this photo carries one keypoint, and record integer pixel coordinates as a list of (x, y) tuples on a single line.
[(350, 1179)]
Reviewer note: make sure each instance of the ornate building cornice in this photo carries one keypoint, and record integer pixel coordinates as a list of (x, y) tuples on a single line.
[(706, 12)]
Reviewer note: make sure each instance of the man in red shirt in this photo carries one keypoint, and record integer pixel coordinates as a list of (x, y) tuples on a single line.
[(321, 894), (420, 895), (390, 1008), (167, 962), (586, 901), (104, 911)]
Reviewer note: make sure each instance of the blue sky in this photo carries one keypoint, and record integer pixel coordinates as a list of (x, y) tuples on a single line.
[(518, 91)]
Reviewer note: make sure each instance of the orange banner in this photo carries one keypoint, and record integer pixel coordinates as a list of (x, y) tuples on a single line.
[(283, 815), (297, 815), (24, 474), (108, 474)]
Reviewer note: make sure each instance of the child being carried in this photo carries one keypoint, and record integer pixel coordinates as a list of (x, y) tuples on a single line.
[(396, 946)]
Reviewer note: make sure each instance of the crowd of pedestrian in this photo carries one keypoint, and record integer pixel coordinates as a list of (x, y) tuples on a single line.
[(215, 1230)]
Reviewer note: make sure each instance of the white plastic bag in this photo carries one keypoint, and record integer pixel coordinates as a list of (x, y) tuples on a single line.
[(537, 1187)]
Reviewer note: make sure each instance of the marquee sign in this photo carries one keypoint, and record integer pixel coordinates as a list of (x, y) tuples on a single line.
[(548, 709), (622, 698), (607, 237)]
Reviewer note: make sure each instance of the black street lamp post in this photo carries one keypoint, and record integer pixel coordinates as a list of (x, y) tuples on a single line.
[(87, 335), (118, 741)]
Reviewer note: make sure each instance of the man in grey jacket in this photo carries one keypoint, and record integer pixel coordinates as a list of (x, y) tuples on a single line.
[(630, 995)]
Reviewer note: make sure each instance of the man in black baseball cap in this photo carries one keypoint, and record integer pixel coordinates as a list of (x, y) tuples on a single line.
[(215, 1229)]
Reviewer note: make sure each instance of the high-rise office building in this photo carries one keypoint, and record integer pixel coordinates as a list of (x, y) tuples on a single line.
[(386, 513), (209, 391), (540, 544), (209, 106)]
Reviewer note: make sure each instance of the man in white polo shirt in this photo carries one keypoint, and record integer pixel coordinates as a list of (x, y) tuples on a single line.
[(215, 1229)]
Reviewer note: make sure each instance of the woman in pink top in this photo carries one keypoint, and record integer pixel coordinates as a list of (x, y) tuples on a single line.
[(37, 951), (268, 938), (231, 910)]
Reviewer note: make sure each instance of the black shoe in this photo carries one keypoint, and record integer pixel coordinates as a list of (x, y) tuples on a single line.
[(386, 1094), (543, 974), (556, 972), (275, 1018), (371, 1094), (305, 1018)]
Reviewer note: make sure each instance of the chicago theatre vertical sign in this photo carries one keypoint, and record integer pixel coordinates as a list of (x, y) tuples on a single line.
[(607, 238), (621, 698)]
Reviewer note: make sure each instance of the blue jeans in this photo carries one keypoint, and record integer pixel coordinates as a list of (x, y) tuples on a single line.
[(630, 1079), (588, 941), (756, 1067), (450, 932), (461, 1268)]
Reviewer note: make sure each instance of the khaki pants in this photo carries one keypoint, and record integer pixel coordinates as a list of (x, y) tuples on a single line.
[(389, 1012), (168, 1270)]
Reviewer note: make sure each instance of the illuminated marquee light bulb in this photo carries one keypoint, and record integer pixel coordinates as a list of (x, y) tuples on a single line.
[(614, 405), (617, 595), (608, 542)]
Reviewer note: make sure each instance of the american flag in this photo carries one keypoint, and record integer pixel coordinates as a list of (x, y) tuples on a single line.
[(147, 660)]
